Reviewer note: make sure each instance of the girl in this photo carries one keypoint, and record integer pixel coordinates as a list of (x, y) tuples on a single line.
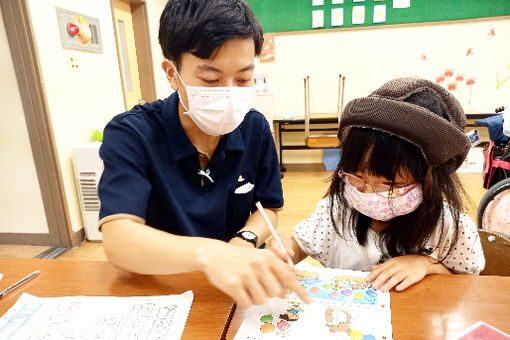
[(393, 206)]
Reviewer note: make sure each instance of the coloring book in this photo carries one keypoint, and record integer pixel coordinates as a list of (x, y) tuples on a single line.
[(344, 307)]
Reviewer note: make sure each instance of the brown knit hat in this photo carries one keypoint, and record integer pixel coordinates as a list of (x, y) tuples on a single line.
[(439, 139)]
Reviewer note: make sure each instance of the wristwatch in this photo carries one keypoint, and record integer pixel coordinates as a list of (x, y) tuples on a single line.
[(248, 236)]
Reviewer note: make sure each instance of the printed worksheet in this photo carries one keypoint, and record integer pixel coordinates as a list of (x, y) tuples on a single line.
[(90, 317), (344, 308)]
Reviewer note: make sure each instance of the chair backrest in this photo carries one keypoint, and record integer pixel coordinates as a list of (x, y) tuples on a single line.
[(496, 249), (322, 140)]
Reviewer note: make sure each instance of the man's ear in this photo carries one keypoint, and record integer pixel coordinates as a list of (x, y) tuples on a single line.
[(171, 73)]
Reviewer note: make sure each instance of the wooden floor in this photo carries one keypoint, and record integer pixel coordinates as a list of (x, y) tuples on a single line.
[(302, 190), (21, 251)]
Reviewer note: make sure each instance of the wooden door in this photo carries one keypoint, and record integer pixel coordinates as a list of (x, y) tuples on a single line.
[(126, 47)]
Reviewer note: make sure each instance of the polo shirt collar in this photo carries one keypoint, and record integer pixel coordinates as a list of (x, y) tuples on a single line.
[(180, 144), (234, 140)]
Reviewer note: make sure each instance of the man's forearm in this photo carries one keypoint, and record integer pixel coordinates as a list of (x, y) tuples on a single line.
[(138, 248)]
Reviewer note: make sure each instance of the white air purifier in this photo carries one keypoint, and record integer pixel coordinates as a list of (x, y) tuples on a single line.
[(88, 168)]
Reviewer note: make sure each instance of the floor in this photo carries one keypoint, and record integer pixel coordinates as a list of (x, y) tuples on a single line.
[(302, 190)]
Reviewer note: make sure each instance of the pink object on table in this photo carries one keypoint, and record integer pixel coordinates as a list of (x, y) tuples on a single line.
[(483, 331)]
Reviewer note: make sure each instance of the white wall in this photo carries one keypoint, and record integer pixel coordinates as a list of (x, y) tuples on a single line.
[(21, 206), (370, 56), (78, 101), (154, 10)]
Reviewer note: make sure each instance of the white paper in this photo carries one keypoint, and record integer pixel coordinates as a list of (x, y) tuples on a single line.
[(473, 162), (358, 0), (401, 3), (337, 17), (343, 307), (358, 15), (379, 13), (318, 18), (90, 317), (335, 2), (317, 2)]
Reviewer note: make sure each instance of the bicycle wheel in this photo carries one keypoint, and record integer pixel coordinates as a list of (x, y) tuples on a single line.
[(494, 208)]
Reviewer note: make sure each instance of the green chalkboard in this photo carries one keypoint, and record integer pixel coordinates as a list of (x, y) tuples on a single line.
[(296, 15)]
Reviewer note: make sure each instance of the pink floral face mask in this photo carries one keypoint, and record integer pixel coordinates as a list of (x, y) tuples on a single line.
[(384, 206)]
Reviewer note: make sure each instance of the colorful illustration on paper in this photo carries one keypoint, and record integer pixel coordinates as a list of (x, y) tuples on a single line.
[(344, 308), (342, 288)]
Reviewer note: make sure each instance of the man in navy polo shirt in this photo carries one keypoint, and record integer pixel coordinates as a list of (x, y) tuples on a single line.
[(182, 175)]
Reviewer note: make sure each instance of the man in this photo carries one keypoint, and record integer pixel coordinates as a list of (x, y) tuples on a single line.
[(182, 175)]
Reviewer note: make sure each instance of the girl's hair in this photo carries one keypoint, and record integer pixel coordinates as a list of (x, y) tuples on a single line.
[(380, 154)]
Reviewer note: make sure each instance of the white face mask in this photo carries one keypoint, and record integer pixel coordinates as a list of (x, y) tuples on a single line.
[(217, 110)]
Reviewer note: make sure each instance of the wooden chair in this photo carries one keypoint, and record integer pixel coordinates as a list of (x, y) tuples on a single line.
[(322, 141), (496, 248)]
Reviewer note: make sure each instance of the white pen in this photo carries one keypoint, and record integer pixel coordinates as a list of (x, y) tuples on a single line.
[(273, 231), (17, 284)]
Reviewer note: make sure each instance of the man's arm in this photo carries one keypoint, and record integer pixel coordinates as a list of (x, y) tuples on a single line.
[(141, 249), (248, 275), (257, 225)]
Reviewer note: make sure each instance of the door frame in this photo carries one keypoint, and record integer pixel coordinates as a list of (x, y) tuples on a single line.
[(143, 47), (23, 48)]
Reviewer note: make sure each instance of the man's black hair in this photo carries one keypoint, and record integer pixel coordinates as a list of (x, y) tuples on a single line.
[(201, 26)]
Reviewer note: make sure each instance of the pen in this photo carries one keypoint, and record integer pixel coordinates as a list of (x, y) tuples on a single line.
[(17, 284), (273, 231)]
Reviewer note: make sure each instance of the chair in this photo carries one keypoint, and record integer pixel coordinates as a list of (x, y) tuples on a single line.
[(322, 141), (496, 248)]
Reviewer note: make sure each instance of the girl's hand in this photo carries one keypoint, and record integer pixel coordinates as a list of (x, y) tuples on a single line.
[(402, 272), (287, 243)]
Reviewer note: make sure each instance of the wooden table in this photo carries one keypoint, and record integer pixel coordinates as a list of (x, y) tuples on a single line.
[(209, 312), (440, 307)]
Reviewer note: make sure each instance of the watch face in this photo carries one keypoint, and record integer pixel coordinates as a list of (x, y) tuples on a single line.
[(249, 235)]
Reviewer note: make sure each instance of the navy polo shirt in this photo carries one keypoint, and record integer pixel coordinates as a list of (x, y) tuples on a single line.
[(151, 171)]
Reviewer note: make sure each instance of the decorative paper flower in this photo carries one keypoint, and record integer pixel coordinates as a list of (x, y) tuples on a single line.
[(470, 81), (459, 77), (449, 72), (452, 86), (439, 79)]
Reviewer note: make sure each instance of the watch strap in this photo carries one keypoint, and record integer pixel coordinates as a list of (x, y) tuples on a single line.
[(253, 240)]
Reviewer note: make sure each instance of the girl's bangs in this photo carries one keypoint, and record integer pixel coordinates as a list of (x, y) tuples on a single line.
[(380, 154)]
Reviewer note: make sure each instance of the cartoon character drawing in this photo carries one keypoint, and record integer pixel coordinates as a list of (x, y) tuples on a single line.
[(338, 320), (354, 282), (292, 313), (307, 278)]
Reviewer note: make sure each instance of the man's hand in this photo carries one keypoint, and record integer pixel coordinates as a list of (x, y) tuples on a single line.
[(248, 275), (287, 244), (403, 271), (291, 247)]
